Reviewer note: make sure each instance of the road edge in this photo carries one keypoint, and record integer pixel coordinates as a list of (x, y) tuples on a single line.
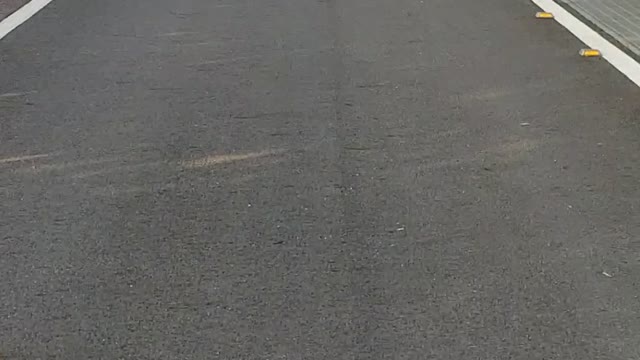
[(21, 15), (615, 56)]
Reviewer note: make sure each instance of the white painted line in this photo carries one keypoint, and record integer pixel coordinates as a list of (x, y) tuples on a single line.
[(21, 15), (616, 57)]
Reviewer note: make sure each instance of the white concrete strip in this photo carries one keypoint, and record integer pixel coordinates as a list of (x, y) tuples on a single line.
[(616, 57), (20, 16)]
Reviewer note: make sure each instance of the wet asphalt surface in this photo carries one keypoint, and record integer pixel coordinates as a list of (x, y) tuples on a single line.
[(304, 179)]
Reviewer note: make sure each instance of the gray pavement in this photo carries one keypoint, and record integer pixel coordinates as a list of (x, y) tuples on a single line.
[(618, 18), (7, 7), (300, 179)]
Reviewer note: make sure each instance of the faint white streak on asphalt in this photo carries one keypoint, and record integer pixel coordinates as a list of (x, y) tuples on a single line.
[(66, 166), (228, 158), (261, 56), (178, 33), (21, 15), (14, 159), (16, 94)]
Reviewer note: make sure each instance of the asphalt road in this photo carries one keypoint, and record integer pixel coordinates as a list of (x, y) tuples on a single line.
[(314, 179), (7, 7)]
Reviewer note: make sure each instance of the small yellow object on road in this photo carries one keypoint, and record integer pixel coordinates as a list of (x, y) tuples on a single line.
[(544, 15), (590, 53)]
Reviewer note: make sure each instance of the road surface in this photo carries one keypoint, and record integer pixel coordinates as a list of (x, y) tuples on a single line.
[(314, 179), (7, 7)]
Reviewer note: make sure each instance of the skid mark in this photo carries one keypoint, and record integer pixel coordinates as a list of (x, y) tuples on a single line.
[(15, 159), (212, 160)]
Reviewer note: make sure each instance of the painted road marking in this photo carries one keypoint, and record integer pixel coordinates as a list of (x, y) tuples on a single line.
[(616, 57), (21, 15)]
